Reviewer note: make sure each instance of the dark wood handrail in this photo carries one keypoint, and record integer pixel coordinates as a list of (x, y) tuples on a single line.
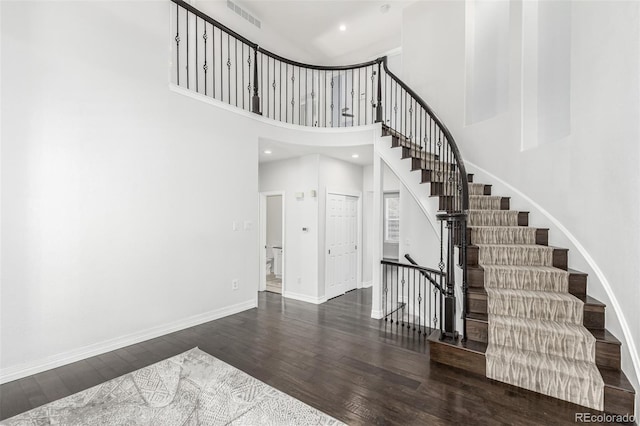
[(447, 134)]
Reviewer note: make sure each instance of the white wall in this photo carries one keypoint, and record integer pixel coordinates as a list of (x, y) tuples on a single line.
[(116, 212), (304, 250), (266, 36), (113, 229), (586, 183), (274, 220), (367, 225), (300, 247)]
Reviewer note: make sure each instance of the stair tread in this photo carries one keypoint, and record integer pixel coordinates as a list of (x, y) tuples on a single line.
[(517, 245), (604, 336), (601, 335), (585, 298), (469, 345), (616, 379), (545, 326), (551, 362)]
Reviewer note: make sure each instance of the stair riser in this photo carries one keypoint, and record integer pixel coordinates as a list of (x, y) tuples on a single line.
[(454, 357), (577, 282), (421, 164), (542, 236), (415, 152), (607, 354), (560, 258), (440, 188), (593, 315)]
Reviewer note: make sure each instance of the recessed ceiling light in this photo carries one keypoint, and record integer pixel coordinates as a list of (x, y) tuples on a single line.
[(266, 151), (343, 27), (355, 156)]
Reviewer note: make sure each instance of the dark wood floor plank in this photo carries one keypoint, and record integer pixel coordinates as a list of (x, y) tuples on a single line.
[(333, 356)]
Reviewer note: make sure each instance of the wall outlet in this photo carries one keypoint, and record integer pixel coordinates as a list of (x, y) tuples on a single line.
[(299, 280), (235, 225), (235, 284)]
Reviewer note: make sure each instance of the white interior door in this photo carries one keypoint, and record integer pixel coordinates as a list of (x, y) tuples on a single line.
[(342, 244)]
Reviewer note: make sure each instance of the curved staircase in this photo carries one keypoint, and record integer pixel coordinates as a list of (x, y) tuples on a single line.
[(530, 322)]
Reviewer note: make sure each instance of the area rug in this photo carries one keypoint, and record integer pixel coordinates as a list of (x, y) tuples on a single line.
[(193, 388), (536, 337)]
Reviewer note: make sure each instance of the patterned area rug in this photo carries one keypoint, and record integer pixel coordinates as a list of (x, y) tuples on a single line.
[(193, 388), (536, 337)]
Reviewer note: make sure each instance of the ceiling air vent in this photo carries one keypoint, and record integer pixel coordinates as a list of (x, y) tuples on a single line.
[(244, 14)]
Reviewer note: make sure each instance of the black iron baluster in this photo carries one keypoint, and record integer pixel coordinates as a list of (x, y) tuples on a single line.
[(221, 70), (293, 95), (326, 97), (366, 94), (248, 76), (372, 103), (273, 86), (229, 67), (314, 122), (205, 66), (306, 91), (412, 298), (286, 93), (177, 39), (187, 13), (353, 108), (300, 96), (404, 301), (397, 294), (242, 87), (197, 63), (280, 96), (396, 127), (235, 67), (332, 83), (385, 283), (267, 88)]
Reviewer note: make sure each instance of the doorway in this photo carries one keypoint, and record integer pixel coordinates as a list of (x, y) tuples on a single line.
[(272, 241), (342, 243)]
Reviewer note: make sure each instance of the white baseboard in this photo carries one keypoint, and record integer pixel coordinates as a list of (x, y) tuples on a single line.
[(304, 298), (377, 314), (367, 284), (16, 372)]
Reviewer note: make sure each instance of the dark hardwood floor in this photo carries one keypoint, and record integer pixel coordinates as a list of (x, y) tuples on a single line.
[(331, 356)]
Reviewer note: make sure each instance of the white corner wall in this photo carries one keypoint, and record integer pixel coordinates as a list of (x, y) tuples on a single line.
[(300, 247), (585, 185), (304, 250), (118, 195)]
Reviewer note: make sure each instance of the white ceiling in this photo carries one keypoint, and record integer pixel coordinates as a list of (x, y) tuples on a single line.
[(283, 151), (313, 25)]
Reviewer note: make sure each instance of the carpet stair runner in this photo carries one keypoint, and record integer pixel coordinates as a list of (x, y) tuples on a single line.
[(531, 331), (536, 339), (529, 321)]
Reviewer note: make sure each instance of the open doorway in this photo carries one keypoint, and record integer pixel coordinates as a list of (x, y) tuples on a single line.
[(272, 241)]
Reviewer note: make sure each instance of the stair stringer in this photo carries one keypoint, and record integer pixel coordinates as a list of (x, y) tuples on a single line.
[(402, 168)]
